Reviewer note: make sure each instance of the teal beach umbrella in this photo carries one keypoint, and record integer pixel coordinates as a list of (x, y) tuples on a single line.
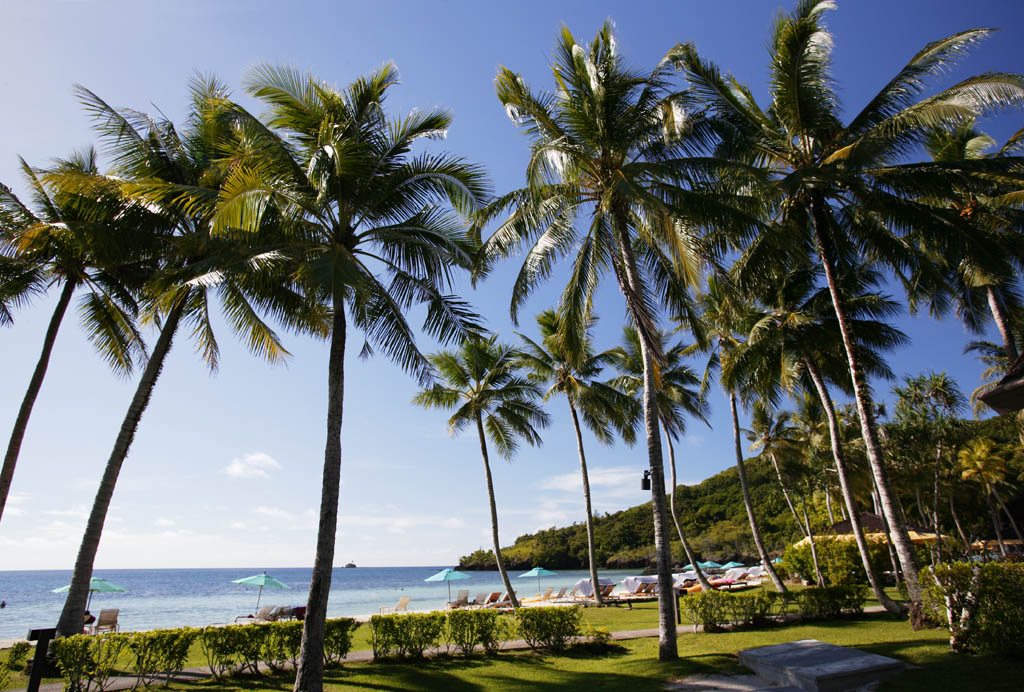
[(688, 567), (96, 584), (709, 564), (448, 575), (730, 565), (538, 572), (261, 580)]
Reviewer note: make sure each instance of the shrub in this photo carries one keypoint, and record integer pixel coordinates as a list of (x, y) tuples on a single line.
[(752, 610), (17, 654), (707, 608), (405, 635), (144, 658), (250, 644), (981, 605), (337, 638), (599, 638), (282, 643), (172, 647), (839, 560), (826, 602), (87, 662), (217, 645), (5, 673), (548, 628), (468, 629)]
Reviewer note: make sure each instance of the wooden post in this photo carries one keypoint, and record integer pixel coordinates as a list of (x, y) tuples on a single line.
[(42, 638)]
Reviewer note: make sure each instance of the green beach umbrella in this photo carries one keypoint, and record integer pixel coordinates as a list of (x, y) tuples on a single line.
[(730, 565), (96, 584), (261, 580), (538, 572), (448, 575)]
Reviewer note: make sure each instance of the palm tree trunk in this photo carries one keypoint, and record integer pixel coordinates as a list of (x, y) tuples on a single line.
[(690, 555), (34, 384), (904, 548), (745, 488), (1013, 523), (309, 671), (1002, 324), (897, 573), (810, 539), (935, 500), (959, 526), (70, 621), (828, 506), (629, 284), (844, 486), (591, 553), (785, 494), (494, 516), (995, 520)]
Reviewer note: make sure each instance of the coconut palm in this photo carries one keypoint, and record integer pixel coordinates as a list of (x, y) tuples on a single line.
[(840, 187), (604, 408), (483, 385), (157, 166), (20, 281), (73, 241), (982, 461), (613, 144), (372, 230), (678, 395)]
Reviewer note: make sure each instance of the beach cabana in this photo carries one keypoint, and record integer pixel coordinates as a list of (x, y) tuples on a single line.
[(587, 589)]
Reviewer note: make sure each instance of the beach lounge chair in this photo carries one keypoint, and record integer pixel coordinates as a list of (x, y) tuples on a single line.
[(575, 593), (480, 598), (107, 621), (503, 602), (461, 599), (560, 595), (401, 607), (492, 598), (265, 614), (606, 591)]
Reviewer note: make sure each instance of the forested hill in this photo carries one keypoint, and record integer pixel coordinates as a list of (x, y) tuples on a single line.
[(711, 514)]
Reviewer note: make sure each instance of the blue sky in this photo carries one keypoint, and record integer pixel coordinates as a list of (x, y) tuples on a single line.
[(225, 469)]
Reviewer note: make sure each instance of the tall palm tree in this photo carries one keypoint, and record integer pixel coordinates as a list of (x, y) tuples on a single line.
[(20, 280), (604, 408), (372, 229), (614, 144), (840, 187), (981, 461), (73, 240), (726, 317), (483, 385), (160, 168), (678, 395)]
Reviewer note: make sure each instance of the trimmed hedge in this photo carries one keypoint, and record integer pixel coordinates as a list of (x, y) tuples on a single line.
[(981, 605), (827, 602), (468, 629), (86, 662), (405, 635), (549, 628), (715, 610)]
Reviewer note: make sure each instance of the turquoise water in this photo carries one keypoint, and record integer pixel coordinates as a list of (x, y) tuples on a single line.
[(197, 597)]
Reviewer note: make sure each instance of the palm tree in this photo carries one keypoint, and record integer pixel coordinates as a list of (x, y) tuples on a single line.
[(20, 280), (482, 384), (726, 316), (602, 406), (367, 224), (839, 187), (157, 167), (982, 462), (613, 143), (73, 240), (678, 395)]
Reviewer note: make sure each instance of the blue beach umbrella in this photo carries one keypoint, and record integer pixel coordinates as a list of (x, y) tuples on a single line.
[(261, 580), (777, 561), (730, 565), (448, 575), (708, 564), (96, 584), (688, 567), (538, 572)]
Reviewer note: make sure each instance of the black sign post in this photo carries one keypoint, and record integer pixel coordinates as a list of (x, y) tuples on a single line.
[(42, 639)]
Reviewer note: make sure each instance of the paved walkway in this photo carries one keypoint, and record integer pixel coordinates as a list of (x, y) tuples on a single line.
[(194, 674)]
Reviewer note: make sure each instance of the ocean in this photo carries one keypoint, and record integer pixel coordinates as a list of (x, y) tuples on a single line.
[(155, 598)]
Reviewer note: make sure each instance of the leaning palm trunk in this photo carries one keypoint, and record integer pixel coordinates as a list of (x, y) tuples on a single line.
[(995, 521), (810, 539), (844, 486), (1002, 324), (309, 673), (591, 553), (34, 384), (745, 488), (701, 577), (805, 524), (70, 621), (629, 284), (959, 526), (494, 516), (887, 497)]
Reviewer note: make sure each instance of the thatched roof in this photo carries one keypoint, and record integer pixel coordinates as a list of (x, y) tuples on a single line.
[(1008, 395)]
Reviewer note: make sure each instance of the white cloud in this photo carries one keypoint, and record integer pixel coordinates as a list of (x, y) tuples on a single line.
[(610, 477), (254, 465), (274, 513), (163, 522)]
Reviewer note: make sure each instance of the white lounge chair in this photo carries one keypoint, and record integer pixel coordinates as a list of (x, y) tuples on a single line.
[(401, 607)]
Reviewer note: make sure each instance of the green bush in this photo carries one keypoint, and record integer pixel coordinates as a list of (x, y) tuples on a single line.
[(826, 602), (708, 608), (172, 647), (86, 662), (549, 628), (839, 559), (337, 638), (468, 629), (17, 654), (994, 621), (218, 646), (144, 658), (752, 610), (405, 635), (282, 643), (5, 673)]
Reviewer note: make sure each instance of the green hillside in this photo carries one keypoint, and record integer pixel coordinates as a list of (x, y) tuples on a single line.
[(711, 513)]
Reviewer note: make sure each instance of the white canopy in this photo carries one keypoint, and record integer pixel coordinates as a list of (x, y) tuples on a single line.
[(586, 589)]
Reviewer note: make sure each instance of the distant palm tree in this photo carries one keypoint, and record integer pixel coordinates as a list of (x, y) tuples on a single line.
[(171, 172), (482, 384), (981, 461), (615, 145), (604, 408), (678, 395), (372, 230), (73, 240), (839, 186)]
